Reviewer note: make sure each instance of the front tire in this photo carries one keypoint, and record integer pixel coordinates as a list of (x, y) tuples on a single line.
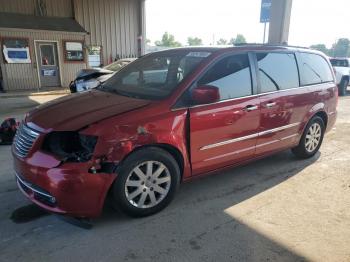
[(147, 182), (311, 139), (343, 86)]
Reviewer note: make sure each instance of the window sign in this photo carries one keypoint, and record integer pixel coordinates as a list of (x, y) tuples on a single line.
[(16, 51), (74, 51), (48, 72)]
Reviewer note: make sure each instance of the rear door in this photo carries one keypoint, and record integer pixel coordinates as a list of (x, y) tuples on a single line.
[(283, 103), (225, 133)]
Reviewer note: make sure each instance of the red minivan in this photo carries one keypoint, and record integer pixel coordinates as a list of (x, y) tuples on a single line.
[(169, 117)]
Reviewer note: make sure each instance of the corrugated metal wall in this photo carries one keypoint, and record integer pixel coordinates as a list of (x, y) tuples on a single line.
[(112, 24), (25, 76), (62, 8)]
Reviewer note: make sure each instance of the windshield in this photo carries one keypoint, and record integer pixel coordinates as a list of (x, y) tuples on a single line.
[(154, 76), (116, 66), (340, 62)]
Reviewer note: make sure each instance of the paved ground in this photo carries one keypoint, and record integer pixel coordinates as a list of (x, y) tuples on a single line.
[(277, 209)]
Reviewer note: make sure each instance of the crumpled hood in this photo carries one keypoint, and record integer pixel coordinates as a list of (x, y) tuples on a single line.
[(75, 111), (93, 72)]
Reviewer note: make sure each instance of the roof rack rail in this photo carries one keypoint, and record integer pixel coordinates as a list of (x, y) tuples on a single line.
[(272, 45)]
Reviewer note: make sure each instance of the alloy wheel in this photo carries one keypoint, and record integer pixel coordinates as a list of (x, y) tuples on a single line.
[(313, 137), (147, 184)]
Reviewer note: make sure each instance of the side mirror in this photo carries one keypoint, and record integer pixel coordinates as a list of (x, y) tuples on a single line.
[(205, 94)]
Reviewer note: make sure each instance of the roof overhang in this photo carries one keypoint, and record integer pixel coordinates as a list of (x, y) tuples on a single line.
[(31, 22)]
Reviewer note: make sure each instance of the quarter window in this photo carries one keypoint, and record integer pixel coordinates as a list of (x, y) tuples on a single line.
[(315, 69), (277, 71), (231, 76)]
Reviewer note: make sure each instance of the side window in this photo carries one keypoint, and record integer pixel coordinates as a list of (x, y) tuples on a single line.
[(314, 69), (277, 71), (231, 75)]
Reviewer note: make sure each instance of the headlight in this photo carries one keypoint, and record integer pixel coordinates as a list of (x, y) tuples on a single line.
[(70, 146), (83, 85)]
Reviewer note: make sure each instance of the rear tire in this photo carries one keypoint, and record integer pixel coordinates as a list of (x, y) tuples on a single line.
[(311, 139), (146, 183), (343, 86)]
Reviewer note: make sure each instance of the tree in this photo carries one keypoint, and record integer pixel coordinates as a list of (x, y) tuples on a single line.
[(221, 42), (240, 39), (168, 40), (322, 48), (341, 48), (194, 41)]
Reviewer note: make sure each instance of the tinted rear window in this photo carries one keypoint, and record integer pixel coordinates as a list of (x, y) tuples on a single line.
[(277, 71), (340, 62), (314, 69)]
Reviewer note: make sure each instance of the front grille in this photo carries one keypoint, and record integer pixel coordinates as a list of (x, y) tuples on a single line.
[(24, 140)]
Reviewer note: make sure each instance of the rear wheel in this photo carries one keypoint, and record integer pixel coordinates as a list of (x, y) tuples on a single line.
[(146, 183), (311, 139), (343, 86)]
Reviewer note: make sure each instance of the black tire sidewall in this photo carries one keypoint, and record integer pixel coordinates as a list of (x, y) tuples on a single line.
[(300, 150), (136, 158)]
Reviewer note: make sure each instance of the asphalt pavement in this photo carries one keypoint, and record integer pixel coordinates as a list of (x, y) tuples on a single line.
[(276, 209)]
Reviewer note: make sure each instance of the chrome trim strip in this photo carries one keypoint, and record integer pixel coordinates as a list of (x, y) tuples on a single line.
[(226, 142), (278, 129), (252, 147), (31, 188), (229, 141), (232, 153)]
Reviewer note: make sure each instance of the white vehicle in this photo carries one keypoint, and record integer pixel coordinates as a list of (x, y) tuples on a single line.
[(342, 73)]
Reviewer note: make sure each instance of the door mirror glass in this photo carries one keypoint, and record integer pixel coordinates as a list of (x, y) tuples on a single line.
[(205, 94)]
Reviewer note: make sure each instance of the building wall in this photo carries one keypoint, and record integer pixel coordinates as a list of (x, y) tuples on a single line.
[(62, 8), (115, 25), (25, 76), (112, 24)]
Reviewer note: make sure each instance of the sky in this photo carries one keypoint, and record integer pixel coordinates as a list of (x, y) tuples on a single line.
[(312, 21)]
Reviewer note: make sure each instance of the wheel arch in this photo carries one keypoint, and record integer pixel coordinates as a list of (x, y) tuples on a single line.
[(323, 115), (172, 150)]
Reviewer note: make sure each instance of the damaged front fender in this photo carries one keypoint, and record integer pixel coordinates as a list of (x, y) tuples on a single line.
[(123, 137)]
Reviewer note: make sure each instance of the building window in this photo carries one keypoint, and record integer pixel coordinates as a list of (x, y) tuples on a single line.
[(73, 51), (16, 50), (94, 56)]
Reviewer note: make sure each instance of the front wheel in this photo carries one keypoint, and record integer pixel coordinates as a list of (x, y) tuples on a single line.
[(311, 139), (146, 183)]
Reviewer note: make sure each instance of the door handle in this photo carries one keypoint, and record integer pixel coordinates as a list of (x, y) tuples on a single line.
[(250, 108), (271, 104)]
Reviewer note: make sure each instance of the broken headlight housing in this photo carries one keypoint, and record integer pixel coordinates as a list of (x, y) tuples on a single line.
[(70, 146)]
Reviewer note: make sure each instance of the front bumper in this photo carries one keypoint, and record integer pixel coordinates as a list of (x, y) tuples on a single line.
[(68, 189)]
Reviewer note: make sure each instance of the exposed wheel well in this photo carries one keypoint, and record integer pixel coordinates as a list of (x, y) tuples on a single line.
[(170, 149)]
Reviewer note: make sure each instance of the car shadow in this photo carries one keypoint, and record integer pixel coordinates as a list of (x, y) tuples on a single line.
[(198, 211)]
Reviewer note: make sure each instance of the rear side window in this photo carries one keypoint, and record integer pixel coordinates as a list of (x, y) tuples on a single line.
[(231, 75), (277, 71), (314, 69)]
